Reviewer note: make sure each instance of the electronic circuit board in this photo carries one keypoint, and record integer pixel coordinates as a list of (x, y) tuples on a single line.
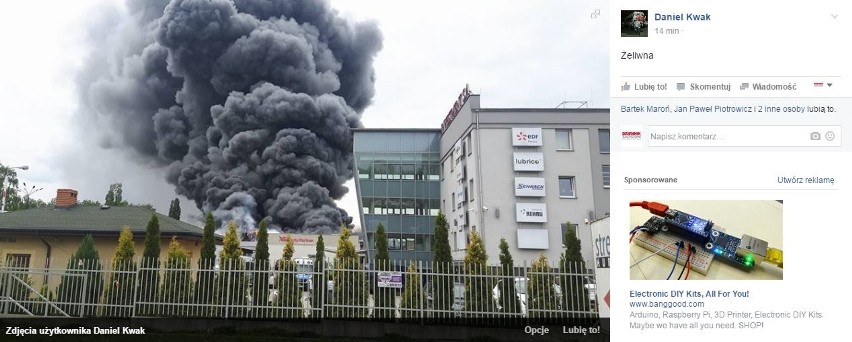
[(718, 244), (725, 246), (698, 262)]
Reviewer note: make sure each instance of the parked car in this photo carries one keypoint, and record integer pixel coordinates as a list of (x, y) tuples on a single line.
[(591, 289), (458, 297), (521, 292)]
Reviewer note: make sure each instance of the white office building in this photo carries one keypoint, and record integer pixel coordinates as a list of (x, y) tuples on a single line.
[(522, 174)]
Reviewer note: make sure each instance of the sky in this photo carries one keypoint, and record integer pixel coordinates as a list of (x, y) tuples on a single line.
[(515, 54)]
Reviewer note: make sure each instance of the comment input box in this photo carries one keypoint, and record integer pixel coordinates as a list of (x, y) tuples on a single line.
[(744, 136)]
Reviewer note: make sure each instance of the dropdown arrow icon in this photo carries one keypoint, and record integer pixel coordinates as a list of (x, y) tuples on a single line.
[(834, 16), (829, 84)]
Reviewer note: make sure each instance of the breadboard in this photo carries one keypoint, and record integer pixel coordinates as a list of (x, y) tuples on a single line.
[(699, 262)]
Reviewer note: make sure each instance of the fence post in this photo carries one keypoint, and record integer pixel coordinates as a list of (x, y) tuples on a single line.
[(4, 274), (227, 291), (83, 303), (135, 286)]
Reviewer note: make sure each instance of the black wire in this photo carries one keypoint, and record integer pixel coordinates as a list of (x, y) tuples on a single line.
[(686, 263), (677, 254)]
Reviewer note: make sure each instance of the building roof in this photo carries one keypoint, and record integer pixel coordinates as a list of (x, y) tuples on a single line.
[(416, 129), (80, 220)]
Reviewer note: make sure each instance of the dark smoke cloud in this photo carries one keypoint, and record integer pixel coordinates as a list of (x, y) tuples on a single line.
[(248, 104)]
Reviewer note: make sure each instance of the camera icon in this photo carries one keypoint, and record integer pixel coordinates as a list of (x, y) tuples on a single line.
[(816, 136)]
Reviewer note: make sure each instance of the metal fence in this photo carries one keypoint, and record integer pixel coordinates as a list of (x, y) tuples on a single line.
[(338, 289)]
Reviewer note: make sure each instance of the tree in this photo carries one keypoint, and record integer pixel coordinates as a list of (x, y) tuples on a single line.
[(146, 206), (150, 275), (509, 301), (541, 295), (289, 290), (205, 284), (383, 296), (442, 286), (114, 195), (231, 284), (349, 289), (174, 209), (441, 248), (478, 296), (177, 281), (260, 281), (123, 279), (319, 268), (85, 261), (89, 203), (572, 267), (9, 187), (413, 298)]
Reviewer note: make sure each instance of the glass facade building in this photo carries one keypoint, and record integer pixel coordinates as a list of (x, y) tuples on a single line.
[(398, 185)]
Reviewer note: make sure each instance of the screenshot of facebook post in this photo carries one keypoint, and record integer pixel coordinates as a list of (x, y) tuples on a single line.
[(728, 155), (304, 170)]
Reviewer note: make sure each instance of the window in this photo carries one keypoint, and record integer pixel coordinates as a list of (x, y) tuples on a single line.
[(419, 172), (472, 193), (381, 171), (566, 187), (367, 203), (379, 206), (469, 143), (364, 170), (603, 137), (433, 172), (605, 173), (409, 244), (421, 207), (564, 140), (433, 207), (394, 206), (408, 172), (394, 244), (454, 201), (443, 171), (394, 171), (408, 206), (18, 260)]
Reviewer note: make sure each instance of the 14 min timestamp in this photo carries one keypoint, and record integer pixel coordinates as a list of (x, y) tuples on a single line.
[(667, 31)]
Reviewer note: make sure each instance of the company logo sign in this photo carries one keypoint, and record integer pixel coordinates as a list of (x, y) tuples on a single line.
[(528, 161), (457, 106), (526, 136), (530, 212), (529, 187), (632, 135)]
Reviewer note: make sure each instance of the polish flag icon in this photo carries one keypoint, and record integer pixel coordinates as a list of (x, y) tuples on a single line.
[(818, 84)]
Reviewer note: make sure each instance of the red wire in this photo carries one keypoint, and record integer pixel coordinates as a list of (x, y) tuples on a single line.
[(687, 266), (655, 208)]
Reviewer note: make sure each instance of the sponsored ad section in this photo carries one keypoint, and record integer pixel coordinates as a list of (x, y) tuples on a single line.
[(713, 310), (738, 283)]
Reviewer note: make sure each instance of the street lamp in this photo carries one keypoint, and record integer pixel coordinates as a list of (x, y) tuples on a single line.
[(29, 192), (6, 186)]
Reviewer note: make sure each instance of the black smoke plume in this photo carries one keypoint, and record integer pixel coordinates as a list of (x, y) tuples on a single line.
[(248, 104)]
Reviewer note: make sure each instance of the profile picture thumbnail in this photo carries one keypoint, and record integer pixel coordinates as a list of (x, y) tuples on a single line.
[(634, 23)]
